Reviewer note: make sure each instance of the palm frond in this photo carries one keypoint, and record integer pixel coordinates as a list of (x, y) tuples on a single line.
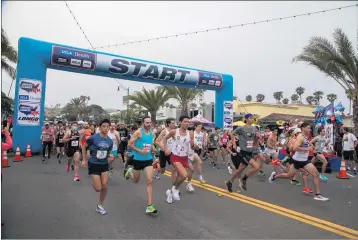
[(6, 49), (9, 69)]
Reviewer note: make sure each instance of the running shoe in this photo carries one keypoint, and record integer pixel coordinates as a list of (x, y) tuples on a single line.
[(348, 169), (76, 179), (274, 162), (295, 182), (229, 169), (261, 173), (128, 173), (228, 186), (189, 187), (100, 209), (242, 185), (355, 171), (323, 177), (216, 166), (175, 193), (151, 209), (169, 196), (43, 159), (307, 190), (67, 168), (319, 197), (272, 177), (72, 167)]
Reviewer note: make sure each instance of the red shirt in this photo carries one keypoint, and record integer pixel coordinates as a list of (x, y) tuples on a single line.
[(47, 134)]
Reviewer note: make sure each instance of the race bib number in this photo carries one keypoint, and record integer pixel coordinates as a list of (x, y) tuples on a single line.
[(250, 144), (224, 140), (147, 147), (123, 138), (47, 136), (74, 144), (215, 138), (238, 149), (101, 154), (60, 141), (323, 145)]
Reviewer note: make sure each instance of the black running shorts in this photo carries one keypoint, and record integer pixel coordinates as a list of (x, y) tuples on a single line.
[(163, 159), (299, 164), (141, 165), (348, 155), (97, 169)]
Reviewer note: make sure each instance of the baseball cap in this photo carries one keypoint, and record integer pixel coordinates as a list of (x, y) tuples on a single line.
[(248, 115), (297, 130)]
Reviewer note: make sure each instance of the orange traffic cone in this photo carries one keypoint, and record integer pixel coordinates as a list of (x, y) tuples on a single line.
[(342, 171), (4, 160), (17, 157), (28, 151)]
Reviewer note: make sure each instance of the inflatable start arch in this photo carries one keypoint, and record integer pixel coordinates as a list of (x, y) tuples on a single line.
[(36, 56)]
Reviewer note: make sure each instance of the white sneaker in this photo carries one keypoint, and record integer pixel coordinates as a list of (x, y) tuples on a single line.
[(230, 170), (272, 177), (320, 198), (189, 187), (175, 194), (169, 196), (100, 209)]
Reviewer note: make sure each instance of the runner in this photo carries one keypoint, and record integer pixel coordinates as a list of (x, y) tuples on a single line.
[(271, 151), (223, 145), (249, 148), (60, 145), (179, 157), (319, 143), (142, 143), (302, 147), (72, 138), (213, 146), (122, 148), (114, 136), (47, 137), (199, 143), (163, 157), (130, 152), (349, 144), (100, 147)]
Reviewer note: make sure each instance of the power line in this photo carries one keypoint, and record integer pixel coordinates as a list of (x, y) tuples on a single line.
[(79, 25), (229, 27)]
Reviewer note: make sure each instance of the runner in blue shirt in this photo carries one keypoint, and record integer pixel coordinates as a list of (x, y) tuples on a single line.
[(100, 147)]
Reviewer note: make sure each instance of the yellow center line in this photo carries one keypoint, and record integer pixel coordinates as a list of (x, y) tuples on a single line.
[(319, 223)]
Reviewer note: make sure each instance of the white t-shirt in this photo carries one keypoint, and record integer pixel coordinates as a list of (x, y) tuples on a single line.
[(348, 142)]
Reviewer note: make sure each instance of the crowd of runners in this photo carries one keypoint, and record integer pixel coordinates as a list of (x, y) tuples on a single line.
[(182, 149)]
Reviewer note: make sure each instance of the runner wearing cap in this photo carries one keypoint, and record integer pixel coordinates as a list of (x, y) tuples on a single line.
[(248, 144), (47, 137)]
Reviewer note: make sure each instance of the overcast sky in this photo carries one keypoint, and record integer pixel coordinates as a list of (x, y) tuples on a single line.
[(259, 57)]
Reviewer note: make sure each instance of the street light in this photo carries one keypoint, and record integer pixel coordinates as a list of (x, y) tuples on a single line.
[(126, 89)]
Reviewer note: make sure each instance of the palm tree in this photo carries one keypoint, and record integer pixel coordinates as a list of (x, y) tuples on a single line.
[(300, 91), (6, 105), (152, 100), (350, 96), (260, 97), (337, 60), (77, 107), (8, 53), (285, 101), (310, 100), (278, 96), (318, 95), (331, 97), (294, 97), (184, 96), (248, 98)]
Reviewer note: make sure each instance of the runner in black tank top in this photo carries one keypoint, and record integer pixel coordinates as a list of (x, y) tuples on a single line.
[(60, 145)]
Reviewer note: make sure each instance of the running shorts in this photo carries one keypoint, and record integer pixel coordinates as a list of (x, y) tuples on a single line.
[(198, 151), (141, 165), (236, 160), (299, 164), (211, 149), (97, 169), (71, 151), (246, 157), (115, 152), (163, 159), (183, 160), (122, 147), (348, 155)]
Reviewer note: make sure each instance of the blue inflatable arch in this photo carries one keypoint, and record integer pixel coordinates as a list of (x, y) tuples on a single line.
[(36, 56)]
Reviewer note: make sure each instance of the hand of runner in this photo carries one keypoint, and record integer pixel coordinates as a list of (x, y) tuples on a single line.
[(84, 163), (309, 149), (144, 152), (167, 152), (154, 150)]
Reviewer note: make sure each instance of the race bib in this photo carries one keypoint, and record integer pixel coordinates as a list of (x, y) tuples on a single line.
[(60, 140), (225, 140), (74, 143), (147, 147), (123, 138), (200, 145), (216, 138), (238, 149), (250, 144), (47, 136), (101, 154), (323, 145)]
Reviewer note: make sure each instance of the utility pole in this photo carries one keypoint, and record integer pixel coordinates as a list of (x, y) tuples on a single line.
[(127, 89)]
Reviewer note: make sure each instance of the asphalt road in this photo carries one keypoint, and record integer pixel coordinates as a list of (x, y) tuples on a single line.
[(42, 201)]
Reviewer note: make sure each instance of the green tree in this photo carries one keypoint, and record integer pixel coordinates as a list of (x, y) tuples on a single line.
[(285, 101), (300, 91), (294, 97), (331, 97), (260, 97), (278, 96), (350, 96), (77, 107), (184, 96), (248, 98), (152, 100), (337, 60), (318, 95), (310, 100), (8, 53), (7, 105)]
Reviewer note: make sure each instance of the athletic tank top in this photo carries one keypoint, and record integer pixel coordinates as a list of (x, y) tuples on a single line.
[(59, 137), (74, 144), (237, 150), (224, 139), (114, 140), (86, 134), (169, 141), (302, 156), (144, 142), (181, 144), (198, 139)]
